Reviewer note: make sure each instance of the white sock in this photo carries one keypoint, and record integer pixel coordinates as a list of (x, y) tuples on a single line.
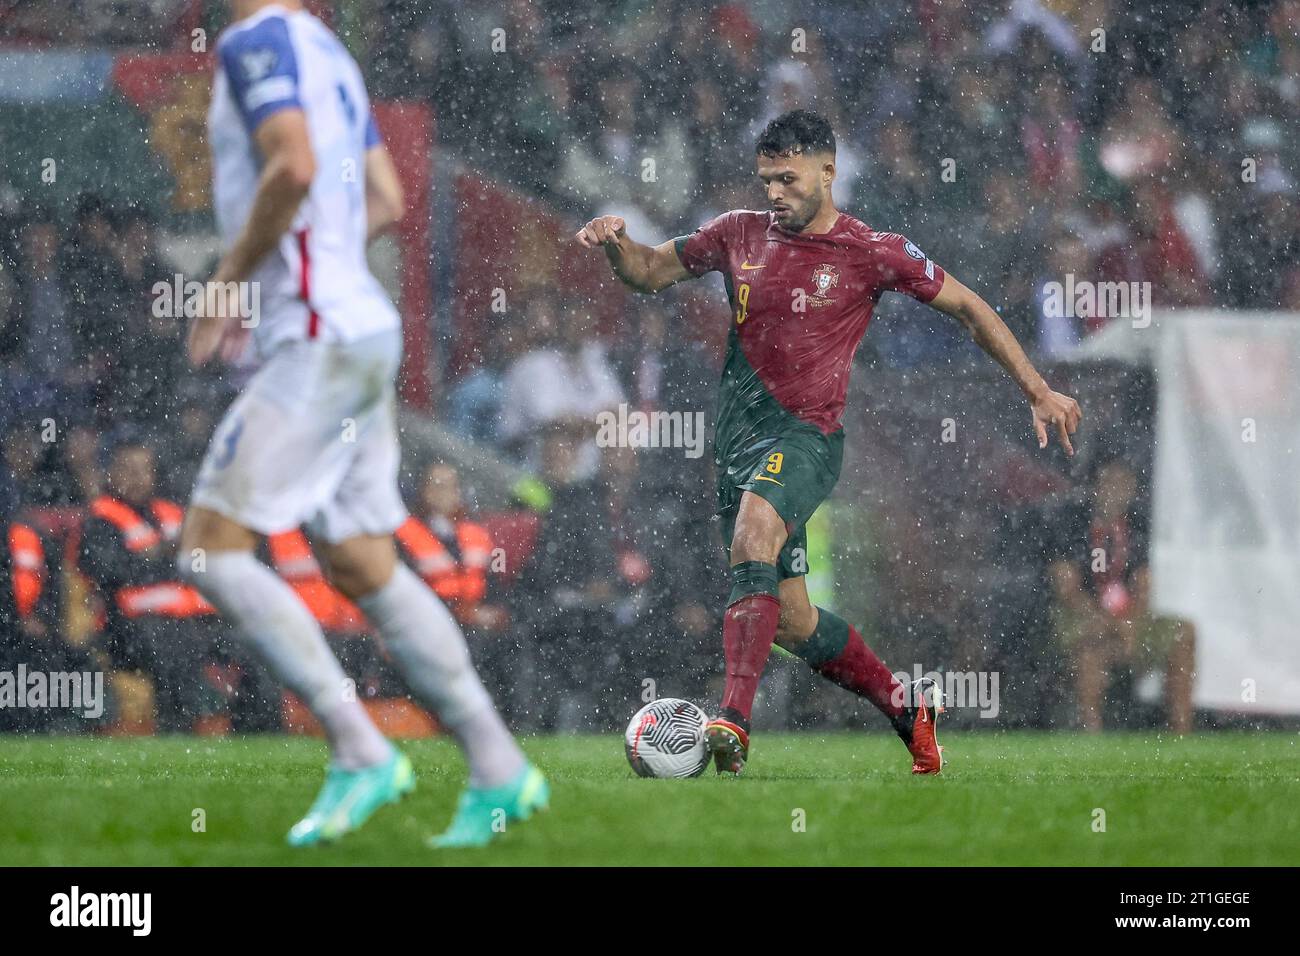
[(270, 617), (428, 647)]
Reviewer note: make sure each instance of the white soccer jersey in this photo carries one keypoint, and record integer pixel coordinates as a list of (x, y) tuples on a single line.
[(315, 283)]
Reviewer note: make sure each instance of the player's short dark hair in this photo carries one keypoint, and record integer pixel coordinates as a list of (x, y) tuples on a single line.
[(798, 131)]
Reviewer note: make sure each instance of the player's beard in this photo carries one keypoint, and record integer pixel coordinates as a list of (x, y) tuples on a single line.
[(803, 214)]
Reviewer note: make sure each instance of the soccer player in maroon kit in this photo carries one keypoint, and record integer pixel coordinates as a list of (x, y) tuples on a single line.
[(803, 280)]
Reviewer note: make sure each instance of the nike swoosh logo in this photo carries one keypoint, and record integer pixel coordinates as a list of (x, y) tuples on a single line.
[(765, 478), (746, 265)]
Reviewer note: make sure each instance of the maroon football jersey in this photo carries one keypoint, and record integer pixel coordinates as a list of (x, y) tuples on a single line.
[(801, 303)]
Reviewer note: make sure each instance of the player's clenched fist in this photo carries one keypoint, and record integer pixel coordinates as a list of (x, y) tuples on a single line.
[(602, 230)]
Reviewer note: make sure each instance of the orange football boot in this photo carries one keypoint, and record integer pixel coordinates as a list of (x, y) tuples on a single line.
[(927, 755), (729, 744)]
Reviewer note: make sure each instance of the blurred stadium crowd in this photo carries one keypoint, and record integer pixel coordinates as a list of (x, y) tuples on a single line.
[(1100, 138), (1010, 140)]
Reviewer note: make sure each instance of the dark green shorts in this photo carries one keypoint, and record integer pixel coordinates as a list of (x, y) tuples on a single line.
[(795, 472)]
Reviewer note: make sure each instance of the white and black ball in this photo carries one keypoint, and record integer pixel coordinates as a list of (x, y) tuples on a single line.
[(666, 739)]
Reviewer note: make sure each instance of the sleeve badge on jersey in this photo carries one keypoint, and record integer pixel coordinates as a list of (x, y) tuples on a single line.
[(257, 64), (910, 248), (825, 277)]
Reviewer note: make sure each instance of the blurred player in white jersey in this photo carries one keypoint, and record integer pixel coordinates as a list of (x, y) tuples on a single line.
[(301, 183)]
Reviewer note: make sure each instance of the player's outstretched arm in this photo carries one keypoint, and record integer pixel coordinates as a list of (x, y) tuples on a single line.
[(640, 267), (1047, 407), (287, 172), (385, 201)]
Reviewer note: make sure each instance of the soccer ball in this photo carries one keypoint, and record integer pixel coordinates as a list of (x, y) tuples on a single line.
[(666, 739)]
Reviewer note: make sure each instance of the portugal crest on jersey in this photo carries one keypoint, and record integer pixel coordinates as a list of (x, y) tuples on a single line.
[(825, 277)]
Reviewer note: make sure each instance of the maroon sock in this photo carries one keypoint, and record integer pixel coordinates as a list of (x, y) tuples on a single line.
[(748, 630), (857, 668)]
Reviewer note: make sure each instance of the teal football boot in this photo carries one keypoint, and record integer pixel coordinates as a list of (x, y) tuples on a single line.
[(349, 797), (483, 813)]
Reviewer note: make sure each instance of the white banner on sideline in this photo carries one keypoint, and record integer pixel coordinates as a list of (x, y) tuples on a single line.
[(1226, 531)]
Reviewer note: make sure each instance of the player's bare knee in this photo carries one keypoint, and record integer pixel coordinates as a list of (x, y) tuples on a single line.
[(356, 579), (786, 635), (360, 566), (794, 626), (193, 532), (753, 543), (206, 532)]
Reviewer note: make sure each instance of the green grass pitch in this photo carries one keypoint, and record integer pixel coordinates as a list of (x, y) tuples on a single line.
[(1005, 798)]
